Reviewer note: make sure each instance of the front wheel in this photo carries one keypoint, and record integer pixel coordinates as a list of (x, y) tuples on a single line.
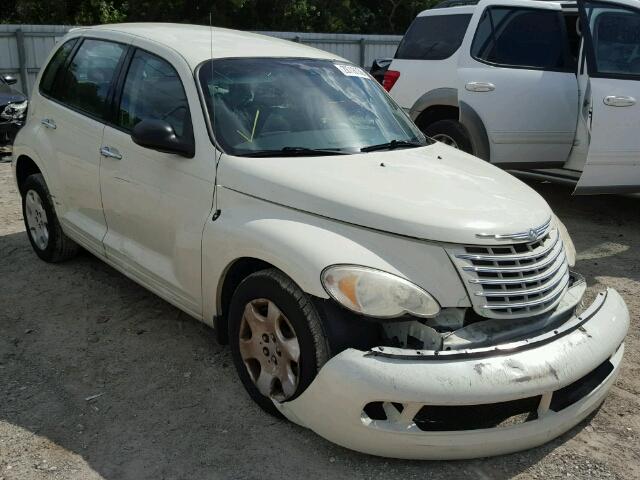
[(276, 337), (450, 132), (40, 219)]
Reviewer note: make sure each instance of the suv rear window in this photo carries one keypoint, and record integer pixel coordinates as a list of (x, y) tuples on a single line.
[(434, 37), (522, 37)]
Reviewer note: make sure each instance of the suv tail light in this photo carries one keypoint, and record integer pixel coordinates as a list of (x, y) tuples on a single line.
[(390, 79)]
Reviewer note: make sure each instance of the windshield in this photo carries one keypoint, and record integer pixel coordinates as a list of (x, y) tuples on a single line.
[(269, 104)]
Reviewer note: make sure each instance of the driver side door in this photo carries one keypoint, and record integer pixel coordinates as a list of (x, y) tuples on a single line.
[(155, 204)]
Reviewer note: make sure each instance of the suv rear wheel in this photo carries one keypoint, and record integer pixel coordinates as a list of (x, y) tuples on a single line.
[(450, 132)]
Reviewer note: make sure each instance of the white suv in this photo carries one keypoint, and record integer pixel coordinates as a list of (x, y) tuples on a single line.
[(396, 295), (530, 85)]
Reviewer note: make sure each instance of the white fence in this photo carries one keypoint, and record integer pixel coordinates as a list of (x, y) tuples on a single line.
[(23, 48)]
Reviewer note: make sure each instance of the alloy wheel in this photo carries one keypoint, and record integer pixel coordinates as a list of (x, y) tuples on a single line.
[(37, 219), (270, 349)]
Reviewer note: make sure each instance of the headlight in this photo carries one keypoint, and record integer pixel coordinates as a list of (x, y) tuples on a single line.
[(569, 248), (14, 111), (376, 293)]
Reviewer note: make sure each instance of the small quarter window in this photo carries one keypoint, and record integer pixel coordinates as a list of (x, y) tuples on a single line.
[(53, 68), (433, 37), (86, 82), (522, 37), (153, 91)]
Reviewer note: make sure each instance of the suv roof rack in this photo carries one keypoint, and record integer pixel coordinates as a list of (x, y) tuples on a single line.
[(466, 3), (456, 3)]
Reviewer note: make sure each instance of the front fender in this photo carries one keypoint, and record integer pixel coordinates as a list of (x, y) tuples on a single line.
[(302, 245)]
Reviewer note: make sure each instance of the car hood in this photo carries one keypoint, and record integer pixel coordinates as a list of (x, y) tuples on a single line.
[(432, 193), (11, 97)]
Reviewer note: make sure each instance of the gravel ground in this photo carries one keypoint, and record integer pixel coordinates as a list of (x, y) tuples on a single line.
[(167, 401)]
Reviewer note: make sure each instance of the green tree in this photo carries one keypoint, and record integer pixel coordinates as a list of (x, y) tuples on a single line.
[(346, 16)]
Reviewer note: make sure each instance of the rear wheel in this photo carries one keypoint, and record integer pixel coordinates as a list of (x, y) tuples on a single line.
[(40, 219), (276, 338), (450, 132)]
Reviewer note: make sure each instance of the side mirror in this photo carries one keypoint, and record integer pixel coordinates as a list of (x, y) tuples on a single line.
[(159, 135), (9, 79)]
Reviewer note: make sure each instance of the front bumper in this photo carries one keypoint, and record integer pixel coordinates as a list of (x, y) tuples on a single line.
[(567, 376)]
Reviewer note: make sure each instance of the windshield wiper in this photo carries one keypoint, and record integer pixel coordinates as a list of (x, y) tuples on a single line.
[(294, 152), (392, 145)]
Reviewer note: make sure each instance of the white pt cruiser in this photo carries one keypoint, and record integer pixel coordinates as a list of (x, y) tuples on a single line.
[(395, 295)]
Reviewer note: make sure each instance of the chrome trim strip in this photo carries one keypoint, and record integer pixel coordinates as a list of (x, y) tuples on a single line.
[(522, 256), (518, 268), (533, 303), (530, 291), (539, 231), (510, 281)]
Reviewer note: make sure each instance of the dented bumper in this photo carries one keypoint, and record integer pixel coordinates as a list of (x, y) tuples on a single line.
[(423, 405)]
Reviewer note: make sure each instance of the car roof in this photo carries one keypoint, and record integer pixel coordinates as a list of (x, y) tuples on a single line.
[(195, 43)]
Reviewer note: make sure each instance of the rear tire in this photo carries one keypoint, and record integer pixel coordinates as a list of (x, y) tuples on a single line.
[(40, 219), (450, 132), (273, 323)]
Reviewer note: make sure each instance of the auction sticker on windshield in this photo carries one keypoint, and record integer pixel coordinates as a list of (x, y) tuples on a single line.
[(351, 70)]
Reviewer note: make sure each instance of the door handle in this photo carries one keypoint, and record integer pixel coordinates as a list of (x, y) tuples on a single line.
[(49, 123), (110, 153), (619, 101), (480, 87)]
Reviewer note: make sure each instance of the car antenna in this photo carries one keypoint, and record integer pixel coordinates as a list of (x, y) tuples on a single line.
[(217, 211)]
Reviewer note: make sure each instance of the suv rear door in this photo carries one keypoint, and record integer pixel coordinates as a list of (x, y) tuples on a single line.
[(612, 44), (77, 84), (517, 73)]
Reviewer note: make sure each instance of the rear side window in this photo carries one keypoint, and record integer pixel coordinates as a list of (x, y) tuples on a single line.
[(153, 91), (434, 37), (521, 37), (615, 36), (53, 68), (86, 82)]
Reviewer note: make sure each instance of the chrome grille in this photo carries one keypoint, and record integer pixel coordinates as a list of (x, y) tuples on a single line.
[(515, 280)]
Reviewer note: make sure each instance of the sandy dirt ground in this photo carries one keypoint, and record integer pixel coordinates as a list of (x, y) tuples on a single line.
[(168, 404)]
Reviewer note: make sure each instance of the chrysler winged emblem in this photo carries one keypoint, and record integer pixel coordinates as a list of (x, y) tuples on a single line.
[(530, 235)]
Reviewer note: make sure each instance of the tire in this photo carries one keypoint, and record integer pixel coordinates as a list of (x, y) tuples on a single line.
[(450, 132), (40, 219), (249, 350)]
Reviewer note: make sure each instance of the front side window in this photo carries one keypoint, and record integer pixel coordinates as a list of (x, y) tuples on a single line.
[(615, 36), (86, 82), (269, 104), (53, 68), (433, 37), (153, 91), (522, 37)]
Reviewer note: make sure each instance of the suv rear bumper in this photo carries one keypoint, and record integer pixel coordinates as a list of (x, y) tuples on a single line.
[(571, 374)]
